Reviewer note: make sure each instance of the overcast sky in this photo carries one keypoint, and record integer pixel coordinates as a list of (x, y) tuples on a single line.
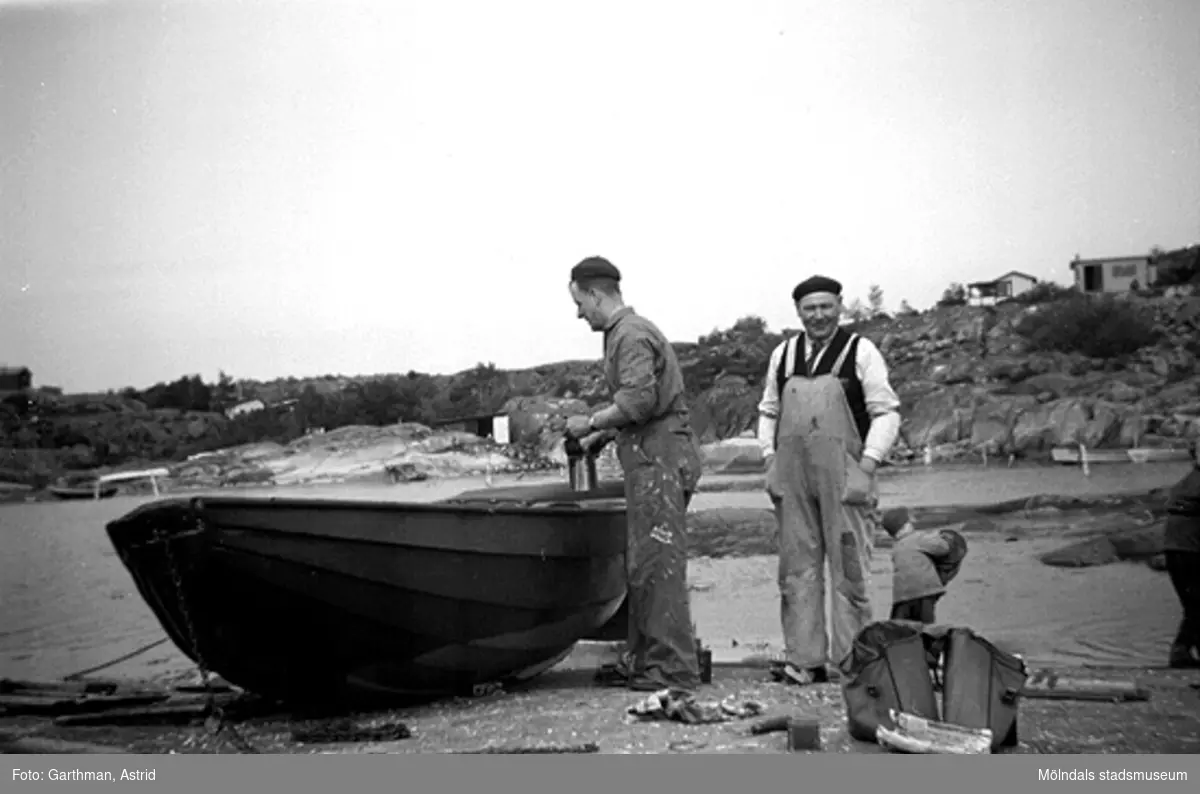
[(331, 186)]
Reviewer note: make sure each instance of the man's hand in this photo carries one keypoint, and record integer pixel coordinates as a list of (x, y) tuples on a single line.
[(772, 480), (868, 465), (593, 442), (578, 426)]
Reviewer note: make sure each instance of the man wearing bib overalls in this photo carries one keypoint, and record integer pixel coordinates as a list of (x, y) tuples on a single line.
[(827, 418)]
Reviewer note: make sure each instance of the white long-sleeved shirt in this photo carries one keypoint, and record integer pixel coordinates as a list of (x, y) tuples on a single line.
[(882, 403)]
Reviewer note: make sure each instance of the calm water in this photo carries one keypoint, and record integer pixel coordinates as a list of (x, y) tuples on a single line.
[(69, 604)]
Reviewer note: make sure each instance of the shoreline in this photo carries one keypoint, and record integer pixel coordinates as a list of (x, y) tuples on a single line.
[(1041, 478), (1000, 592)]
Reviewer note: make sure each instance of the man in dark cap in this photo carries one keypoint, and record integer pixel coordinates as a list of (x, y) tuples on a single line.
[(827, 418), (660, 457)]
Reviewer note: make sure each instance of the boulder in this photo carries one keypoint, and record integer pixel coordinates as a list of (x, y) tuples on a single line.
[(1104, 427), (1134, 544), (993, 420), (1058, 423), (733, 455), (1057, 384), (940, 417)]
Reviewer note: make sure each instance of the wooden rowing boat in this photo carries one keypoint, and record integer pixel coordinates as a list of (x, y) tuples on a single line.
[(312, 599)]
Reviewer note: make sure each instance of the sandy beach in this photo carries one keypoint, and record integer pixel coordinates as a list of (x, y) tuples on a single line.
[(1116, 617)]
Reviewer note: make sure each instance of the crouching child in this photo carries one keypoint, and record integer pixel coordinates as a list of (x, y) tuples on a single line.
[(923, 563)]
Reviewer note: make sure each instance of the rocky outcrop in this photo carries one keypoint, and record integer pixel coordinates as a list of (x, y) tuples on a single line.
[(968, 380), (350, 453), (734, 455), (958, 401)]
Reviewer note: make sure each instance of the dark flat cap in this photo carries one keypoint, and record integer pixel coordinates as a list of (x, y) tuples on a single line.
[(816, 284), (595, 267)]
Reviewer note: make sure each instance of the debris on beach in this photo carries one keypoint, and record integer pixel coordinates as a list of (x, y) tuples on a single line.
[(56, 698), (1048, 685), (587, 747), (915, 734), (16, 744), (349, 730), (675, 706)]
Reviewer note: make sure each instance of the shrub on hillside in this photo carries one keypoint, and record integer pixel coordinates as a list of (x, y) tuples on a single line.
[(1098, 327), (1046, 292)]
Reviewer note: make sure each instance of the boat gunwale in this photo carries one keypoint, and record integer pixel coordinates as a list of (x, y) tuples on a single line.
[(551, 508)]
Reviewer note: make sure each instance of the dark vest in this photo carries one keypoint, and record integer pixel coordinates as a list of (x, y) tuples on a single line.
[(851, 385)]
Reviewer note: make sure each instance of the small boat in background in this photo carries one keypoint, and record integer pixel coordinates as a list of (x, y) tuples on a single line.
[(1072, 456), (1160, 455), (82, 491)]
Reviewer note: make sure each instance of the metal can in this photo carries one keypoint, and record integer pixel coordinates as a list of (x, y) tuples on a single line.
[(704, 658), (583, 473), (803, 734)]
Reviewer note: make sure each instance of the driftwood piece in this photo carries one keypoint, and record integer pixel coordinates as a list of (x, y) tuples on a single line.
[(929, 517), (1047, 685), (769, 725), (11, 744), (53, 704), (588, 747), (154, 714), (21, 686)]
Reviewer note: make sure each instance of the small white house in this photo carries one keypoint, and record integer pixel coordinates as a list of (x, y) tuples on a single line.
[(1113, 274), (1010, 285)]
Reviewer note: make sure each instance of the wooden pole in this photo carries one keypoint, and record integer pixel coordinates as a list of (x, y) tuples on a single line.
[(488, 476)]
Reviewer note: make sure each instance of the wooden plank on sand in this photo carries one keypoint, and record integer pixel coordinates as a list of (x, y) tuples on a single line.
[(1048, 685), (45, 745)]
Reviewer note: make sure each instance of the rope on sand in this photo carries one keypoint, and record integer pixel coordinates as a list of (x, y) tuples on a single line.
[(126, 657)]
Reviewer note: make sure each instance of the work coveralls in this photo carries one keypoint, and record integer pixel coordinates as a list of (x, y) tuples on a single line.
[(824, 515), (1182, 550), (662, 467)]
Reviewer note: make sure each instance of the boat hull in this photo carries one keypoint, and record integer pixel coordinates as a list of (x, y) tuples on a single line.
[(321, 600), (606, 492)]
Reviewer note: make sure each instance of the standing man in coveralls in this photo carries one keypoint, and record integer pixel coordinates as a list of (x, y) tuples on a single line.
[(661, 460), (1182, 549), (827, 418)]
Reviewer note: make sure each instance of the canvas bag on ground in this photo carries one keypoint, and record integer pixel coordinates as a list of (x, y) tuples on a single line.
[(981, 686), (887, 668)]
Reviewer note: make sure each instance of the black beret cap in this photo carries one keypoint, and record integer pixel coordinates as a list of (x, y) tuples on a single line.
[(816, 284), (595, 267)]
